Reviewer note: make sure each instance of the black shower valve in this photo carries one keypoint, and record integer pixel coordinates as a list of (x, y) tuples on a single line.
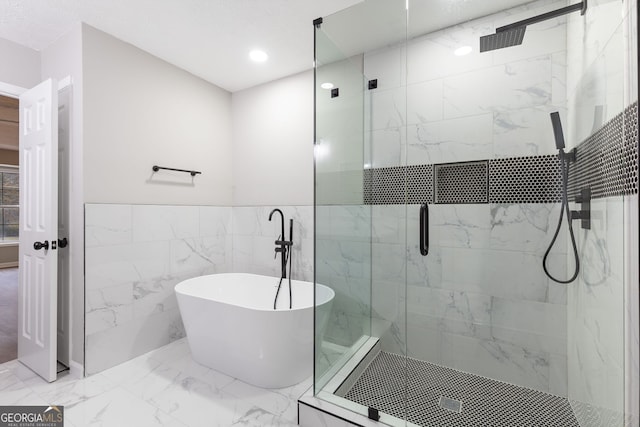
[(584, 214)]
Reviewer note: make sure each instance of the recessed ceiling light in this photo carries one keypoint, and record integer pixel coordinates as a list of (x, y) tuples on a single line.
[(464, 50), (327, 85), (258, 56)]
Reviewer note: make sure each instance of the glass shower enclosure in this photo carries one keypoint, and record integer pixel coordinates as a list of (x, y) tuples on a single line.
[(438, 192)]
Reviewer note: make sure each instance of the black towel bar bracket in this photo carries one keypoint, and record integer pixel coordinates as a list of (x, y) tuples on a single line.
[(193, 173)]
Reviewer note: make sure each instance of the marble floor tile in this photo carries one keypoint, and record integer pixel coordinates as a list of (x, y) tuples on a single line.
[(118, 407), (164, 387)]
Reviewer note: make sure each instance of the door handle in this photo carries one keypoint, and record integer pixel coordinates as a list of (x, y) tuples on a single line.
[(40, 245), (424, 229), (63, 243)]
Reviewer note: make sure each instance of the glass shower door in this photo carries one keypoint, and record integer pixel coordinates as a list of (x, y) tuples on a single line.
[(342, 220)]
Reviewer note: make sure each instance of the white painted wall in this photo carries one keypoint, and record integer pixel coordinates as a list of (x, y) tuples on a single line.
[(64, 58), (273, 143), (140, 111), (20, 65)]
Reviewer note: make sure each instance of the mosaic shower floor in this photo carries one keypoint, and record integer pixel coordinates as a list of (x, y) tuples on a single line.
[(471, 400)]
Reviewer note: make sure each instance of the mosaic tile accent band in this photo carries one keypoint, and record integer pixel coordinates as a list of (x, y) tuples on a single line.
[(525, 180), (607, 162)]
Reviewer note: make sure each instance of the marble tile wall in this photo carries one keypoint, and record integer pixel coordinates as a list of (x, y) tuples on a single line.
[(480, 301), (254, 235), (136, 254), (344, 263), (596, 301)]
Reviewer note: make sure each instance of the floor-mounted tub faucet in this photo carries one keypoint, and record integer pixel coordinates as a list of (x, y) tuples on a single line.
[(284, 248)]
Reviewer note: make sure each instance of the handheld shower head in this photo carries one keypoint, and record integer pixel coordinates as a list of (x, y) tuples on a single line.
[(557, 130)]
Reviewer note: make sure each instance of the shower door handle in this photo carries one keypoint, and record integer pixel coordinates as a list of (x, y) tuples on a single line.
[(424, 229)]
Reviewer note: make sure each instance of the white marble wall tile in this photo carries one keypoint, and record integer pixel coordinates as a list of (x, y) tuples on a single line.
[(424, 102), (554, 345), (388, 223), (558, 381), (529, 316), (384, 297), (510, 86), (254, 239), (458, 226), (155, 296), (442, 304), (431, 57), (386, 147), (587, 35), (542, 38), (388, 108), (497, 360), (559, 78), (525, 132), (424, 342), (387, 65), (527, 227), (632, 309), (459, 139), (596, 314), (205, 255), (107, 266), (348, 223), (133, 338), (507, 274), (108, 224), (388, 262), (108, 307), (429, 320), (424, 270), (155, 222), (215, 221)]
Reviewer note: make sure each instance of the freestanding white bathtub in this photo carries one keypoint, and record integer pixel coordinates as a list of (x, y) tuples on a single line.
[(232, 327)]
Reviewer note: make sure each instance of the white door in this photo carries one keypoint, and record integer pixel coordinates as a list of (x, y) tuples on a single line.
[(37, 296), (64, 121)]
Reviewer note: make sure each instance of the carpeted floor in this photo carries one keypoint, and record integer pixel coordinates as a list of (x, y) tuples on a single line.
[(8, 314)]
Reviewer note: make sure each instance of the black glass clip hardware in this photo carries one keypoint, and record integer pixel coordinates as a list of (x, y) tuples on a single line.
[(374, 414)]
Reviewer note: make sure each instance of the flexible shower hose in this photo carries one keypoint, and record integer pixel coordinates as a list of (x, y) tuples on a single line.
[(564, 166)]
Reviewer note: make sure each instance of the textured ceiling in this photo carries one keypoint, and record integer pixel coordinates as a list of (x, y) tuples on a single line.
[(209, 38)]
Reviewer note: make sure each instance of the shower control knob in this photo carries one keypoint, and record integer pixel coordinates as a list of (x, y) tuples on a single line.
[(40, 245)]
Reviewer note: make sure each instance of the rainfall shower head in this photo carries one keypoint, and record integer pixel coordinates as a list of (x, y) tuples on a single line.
[(513, 34), (557, 130), (502, 39)]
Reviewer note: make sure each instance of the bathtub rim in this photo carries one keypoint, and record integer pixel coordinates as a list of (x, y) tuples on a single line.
[(329, 294)]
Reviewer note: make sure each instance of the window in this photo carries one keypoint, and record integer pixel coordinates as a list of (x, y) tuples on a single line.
[(9, 203)]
